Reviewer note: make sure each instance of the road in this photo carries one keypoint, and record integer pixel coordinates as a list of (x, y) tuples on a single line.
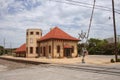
[(94, 69), (62, 72)]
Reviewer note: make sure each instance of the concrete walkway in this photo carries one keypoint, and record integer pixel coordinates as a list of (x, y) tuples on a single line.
[(90, 59)]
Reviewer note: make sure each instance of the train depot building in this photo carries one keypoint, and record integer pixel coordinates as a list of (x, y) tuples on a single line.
[(55, 44)]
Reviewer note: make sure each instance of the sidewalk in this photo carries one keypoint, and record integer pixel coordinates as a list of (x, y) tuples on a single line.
[(90, 59)]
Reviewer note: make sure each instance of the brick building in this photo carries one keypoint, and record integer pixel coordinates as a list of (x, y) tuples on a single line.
[(55, 44)]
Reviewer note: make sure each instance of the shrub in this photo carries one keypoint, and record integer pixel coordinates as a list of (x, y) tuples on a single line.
[(118, 60), (112, 61)]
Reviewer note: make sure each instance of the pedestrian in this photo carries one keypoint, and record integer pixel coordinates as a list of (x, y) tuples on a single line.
[(84, 53)]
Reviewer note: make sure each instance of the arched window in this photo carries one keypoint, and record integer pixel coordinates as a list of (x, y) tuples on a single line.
[(37, 50), (40, 49), (58, 49), (37, 33), (31, 33), (31, 50), (72, 49), (49, 49)]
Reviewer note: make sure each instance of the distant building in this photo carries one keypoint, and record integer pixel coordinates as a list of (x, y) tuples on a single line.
[(55, 44), (112, 40)]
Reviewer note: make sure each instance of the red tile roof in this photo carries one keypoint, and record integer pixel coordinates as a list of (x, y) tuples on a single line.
[(22, 48), (57, 33)]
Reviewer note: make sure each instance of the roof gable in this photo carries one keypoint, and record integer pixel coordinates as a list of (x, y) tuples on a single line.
[(57, 33)]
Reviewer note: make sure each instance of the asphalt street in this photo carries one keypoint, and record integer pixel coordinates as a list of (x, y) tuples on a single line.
[(48, 72)]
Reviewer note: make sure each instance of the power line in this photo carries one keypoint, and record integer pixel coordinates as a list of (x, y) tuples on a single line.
[(119, 3), (82, 5), (70, 3), (99, 6)]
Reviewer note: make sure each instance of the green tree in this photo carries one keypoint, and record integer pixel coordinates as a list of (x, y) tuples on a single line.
[(1, 50), (97, 46), (119, 48), (80, 48)]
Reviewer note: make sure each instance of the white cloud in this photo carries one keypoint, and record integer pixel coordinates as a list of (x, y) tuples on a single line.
[(18, 15)]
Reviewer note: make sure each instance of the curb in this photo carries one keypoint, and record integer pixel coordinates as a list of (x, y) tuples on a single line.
[(24, 61)]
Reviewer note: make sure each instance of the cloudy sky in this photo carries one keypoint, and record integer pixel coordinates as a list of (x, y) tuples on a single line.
[(71, 16)]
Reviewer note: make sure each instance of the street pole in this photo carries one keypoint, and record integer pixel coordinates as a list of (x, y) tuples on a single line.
[(114, 25)]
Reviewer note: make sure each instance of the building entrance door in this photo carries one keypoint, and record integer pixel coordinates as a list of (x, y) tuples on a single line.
[(44, 54), (67, 52)]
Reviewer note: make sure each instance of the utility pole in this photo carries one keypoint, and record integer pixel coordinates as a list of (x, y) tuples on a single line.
[(91, 18), (115, 36)]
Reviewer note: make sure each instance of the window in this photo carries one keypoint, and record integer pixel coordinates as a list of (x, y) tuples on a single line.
[(37, 33), (31, 40), (41, 34), (49, 49), (37, 50), (27, 33), (27, 41), (27, 49), (72, 49), (31, 33), (44, 51), (58, 49), (40, 49), (31, 50)]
